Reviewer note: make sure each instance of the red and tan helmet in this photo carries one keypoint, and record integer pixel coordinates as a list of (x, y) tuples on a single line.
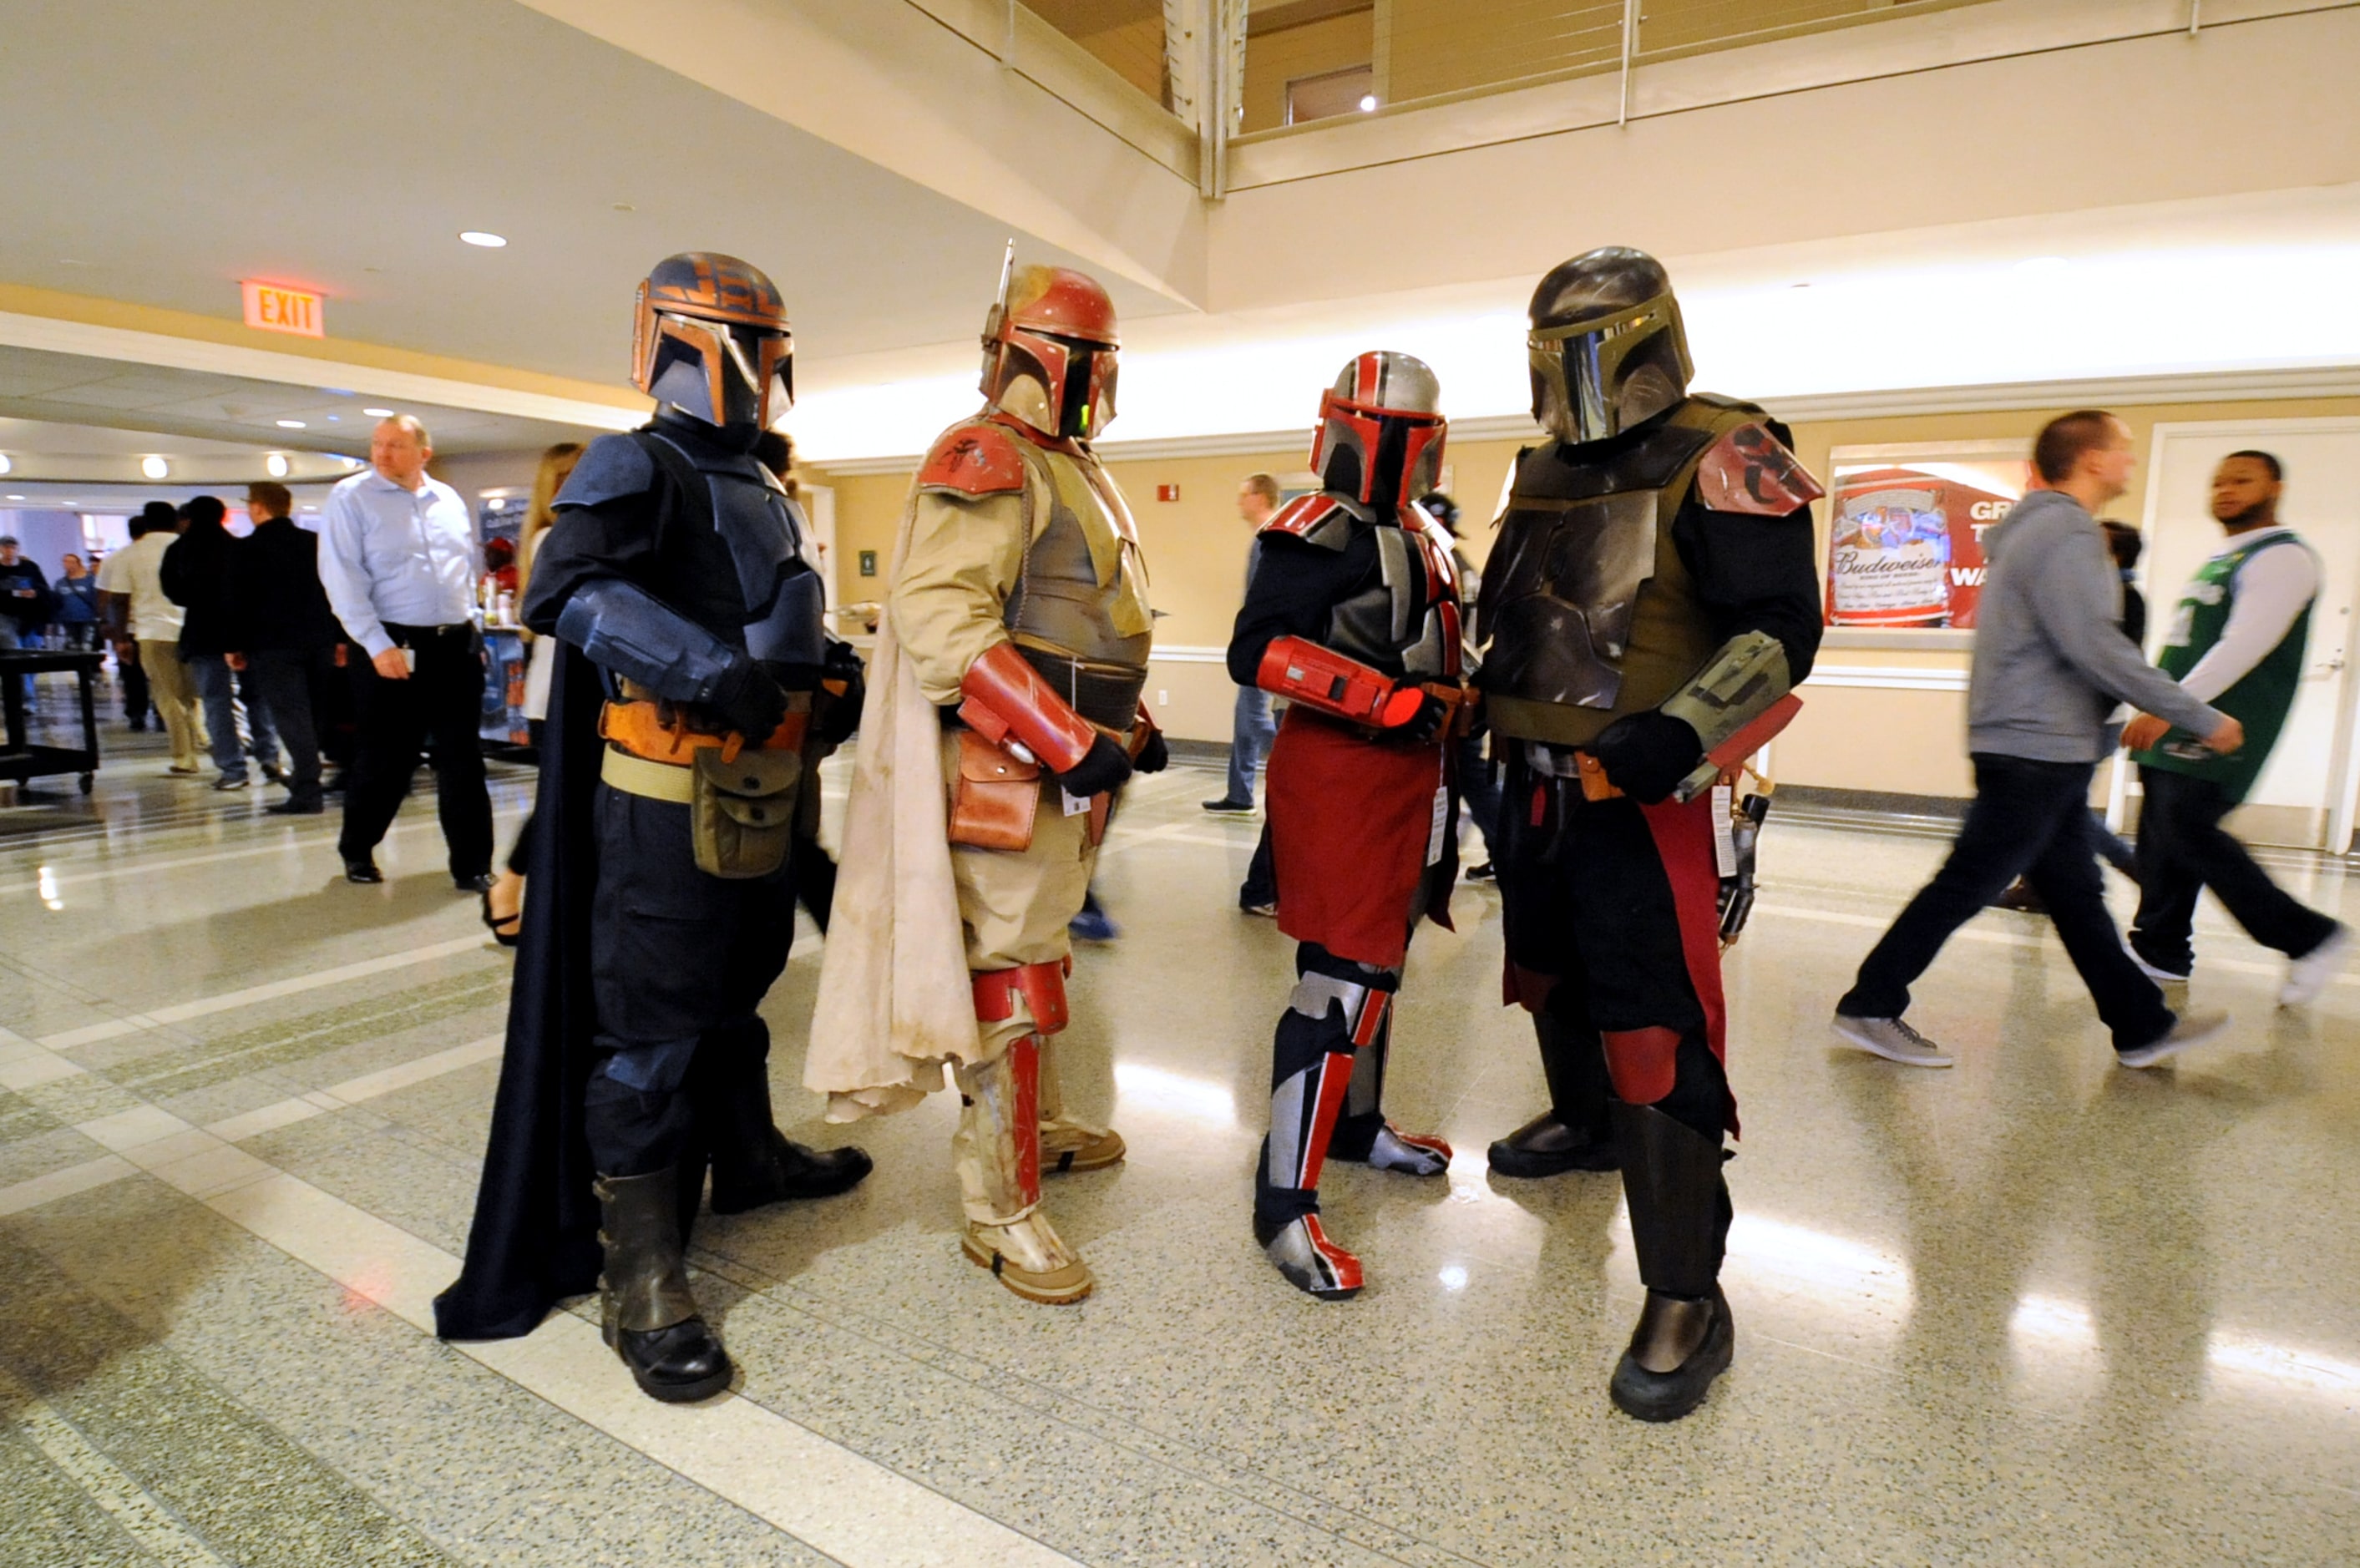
[(711, 338), (1381, 430), (1049, 348)]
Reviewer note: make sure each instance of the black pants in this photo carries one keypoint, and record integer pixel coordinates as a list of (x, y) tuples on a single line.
[(1589, 913), (1478, 792), (2031, 819), (135, 701), (1260, 889), (282, 680), (2182, 850), (436, 712), (681, 962)]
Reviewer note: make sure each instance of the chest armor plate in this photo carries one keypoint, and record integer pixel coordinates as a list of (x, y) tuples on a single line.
[(768, 540), (1083, 592), (1407, 623)]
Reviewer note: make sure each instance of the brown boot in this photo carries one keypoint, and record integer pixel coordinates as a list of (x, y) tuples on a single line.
[(998, 1151), (1067, 1144)]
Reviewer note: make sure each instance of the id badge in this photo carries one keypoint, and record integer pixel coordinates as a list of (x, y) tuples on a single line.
[(1074, 805), (1724, 841), (1439, 825)]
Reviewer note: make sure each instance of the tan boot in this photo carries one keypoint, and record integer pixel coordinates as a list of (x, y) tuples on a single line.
[(1067, 1144), (998, 1151)]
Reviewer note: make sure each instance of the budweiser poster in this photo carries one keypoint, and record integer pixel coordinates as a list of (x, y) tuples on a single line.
[(1907, 544)]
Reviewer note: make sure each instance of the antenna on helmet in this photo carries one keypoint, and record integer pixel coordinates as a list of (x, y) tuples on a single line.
[(1007, 272)]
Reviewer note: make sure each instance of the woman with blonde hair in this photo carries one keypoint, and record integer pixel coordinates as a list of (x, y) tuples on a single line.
[(504, 903)]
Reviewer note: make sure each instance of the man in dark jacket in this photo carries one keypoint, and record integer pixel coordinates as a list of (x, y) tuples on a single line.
[(26, 602), (283, 631), (196, 572)]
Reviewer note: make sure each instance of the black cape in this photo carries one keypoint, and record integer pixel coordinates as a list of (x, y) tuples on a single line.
[(535, 1237)]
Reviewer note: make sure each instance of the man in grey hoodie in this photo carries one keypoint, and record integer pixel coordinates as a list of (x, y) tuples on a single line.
[(2050, 664)]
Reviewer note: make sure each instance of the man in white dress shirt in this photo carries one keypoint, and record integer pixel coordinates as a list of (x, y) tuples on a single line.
[(399, 559)]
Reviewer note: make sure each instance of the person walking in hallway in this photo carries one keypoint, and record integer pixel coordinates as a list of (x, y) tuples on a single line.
[(2050, 663), (1252, 730), (284, 630), (26, 602), (145, 625), (77, 612), (196, 572), (398, 559), (2237, 641)]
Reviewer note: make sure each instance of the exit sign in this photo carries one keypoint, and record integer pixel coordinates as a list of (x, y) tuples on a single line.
[(278, 309)]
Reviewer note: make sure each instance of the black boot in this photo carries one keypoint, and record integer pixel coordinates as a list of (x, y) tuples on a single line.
[(1680, 1226), (1574, 1133), (645, 1308), (754, 1163)]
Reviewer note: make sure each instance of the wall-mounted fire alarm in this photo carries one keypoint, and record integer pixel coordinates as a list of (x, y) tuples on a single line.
[(1167, 492)]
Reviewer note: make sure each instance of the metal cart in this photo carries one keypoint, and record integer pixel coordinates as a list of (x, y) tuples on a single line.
[(21, 759)]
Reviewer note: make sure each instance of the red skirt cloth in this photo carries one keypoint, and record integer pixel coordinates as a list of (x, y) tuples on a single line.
[(1684, 838), (1349, 822)]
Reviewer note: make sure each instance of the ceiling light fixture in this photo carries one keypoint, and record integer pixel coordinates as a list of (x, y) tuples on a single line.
[(1368, 103), (15, 497), (6, 466), (291, 424), (379, 413), (480, 237), (277, 464), (154, 467)]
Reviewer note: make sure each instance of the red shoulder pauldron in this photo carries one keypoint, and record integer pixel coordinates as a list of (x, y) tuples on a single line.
[(1749, 470), (974, 459), (1316, 518)]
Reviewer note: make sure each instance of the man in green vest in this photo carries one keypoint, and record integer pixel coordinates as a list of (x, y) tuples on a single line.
[(2235, 642)]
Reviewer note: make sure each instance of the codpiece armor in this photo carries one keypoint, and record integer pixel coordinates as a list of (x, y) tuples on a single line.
[(1019, 600), (683, 575), (1649, 606), (1353, 614)]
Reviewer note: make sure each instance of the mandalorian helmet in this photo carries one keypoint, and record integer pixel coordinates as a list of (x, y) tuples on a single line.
[(1606, 348), (1049, 352), (711, 338), (1381, 430)]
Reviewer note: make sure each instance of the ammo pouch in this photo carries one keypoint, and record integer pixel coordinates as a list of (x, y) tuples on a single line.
[(996, 796), (741, 812)]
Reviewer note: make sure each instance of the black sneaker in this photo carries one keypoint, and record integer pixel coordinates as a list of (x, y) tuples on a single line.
[(481, 882), (1487, 872), (1229, 806), (363, 871), (296, 806)]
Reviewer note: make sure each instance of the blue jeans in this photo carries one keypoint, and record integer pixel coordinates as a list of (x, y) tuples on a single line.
[(220, 690), (1250, 733), (13, 637)]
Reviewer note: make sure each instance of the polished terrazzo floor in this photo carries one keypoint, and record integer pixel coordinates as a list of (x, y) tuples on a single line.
[(2035, 1310)]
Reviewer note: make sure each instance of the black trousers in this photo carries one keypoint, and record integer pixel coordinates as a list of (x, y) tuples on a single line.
[(681, 962), (282, 680), (135, 701), (2182, 850), (2031, 819), (435, 713), (1588, 912)]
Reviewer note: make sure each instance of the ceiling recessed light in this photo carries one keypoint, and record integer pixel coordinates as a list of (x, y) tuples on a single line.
[(154, 467), (5, 465), (291, 424), (1368, 103), (277, 463), (15, 497), (379, 413), (479, 237), (625, 207)]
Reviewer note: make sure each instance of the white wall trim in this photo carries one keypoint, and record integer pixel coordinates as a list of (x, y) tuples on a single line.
[(1182, 653), (1887, 677)]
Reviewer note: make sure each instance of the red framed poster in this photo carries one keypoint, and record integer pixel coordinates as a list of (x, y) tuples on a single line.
[(1906, 542)]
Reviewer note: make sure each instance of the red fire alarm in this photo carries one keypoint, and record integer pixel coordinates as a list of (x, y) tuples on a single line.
[(1167, 492)]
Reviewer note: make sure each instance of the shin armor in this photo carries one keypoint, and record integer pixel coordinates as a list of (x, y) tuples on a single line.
[(997, 1149)]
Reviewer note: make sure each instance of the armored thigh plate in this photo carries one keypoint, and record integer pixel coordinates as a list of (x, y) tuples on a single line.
[(1568, 575)]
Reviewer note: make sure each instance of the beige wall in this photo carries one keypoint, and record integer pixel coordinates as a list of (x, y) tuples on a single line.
[(1906, 742), (1276, 58)]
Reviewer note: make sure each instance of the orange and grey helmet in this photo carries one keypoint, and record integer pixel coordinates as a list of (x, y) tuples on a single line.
[(1049, 350), (1381, 430), (1607, 349), (711, 338)]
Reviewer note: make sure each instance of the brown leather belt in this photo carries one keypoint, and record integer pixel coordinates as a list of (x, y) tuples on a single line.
[(639, 729), (1105, 694)]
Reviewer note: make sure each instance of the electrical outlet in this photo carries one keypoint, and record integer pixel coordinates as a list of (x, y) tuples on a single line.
[(1163, 698)]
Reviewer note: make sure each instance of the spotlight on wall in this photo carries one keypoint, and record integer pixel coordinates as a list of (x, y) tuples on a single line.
[(277, 464), (154, 467)]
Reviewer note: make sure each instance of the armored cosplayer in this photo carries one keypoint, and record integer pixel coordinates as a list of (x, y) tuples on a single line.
[(1650, 602), (696, 692), (1353, 617), (1003, 714)]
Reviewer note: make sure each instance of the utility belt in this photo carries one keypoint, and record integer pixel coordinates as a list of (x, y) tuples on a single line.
[(741, 798), (1105, 694), (1571, 762)]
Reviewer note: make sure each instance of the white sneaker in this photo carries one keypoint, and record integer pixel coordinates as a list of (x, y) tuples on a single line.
[(1891, 1038), (2188, 1030), (2309, 976)]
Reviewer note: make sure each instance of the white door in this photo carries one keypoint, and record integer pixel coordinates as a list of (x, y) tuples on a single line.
[(2305, 796)]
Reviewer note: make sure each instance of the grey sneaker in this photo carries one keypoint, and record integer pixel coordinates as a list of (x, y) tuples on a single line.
[(2309, 976), (1893, 1040), (2188, 1030)]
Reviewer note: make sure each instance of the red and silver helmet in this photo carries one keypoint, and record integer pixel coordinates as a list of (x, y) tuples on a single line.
[(1049, 352), (711, 338), (1381, 430)]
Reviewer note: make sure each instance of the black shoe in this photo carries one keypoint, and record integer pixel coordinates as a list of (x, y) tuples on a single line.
[(363, 871), (1547, 1146), (1668, 1396), (1226, 804), (679, 1365), (225, 783), (644, 1279), (137, 726), (334, 784), (481, 882), (273, 772), (789, 1170), (297, 806), (1486, 871)]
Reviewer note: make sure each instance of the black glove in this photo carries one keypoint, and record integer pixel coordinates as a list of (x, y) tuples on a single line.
[(1424, 724), (1647, 754), (748, 701), (839, 716), (1152, 758), (1104, 767)]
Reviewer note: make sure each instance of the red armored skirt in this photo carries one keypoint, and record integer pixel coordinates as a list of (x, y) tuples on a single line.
[(1351, 824)]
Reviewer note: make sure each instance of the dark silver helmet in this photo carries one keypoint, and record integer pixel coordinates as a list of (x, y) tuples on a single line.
[(1606, 348)]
